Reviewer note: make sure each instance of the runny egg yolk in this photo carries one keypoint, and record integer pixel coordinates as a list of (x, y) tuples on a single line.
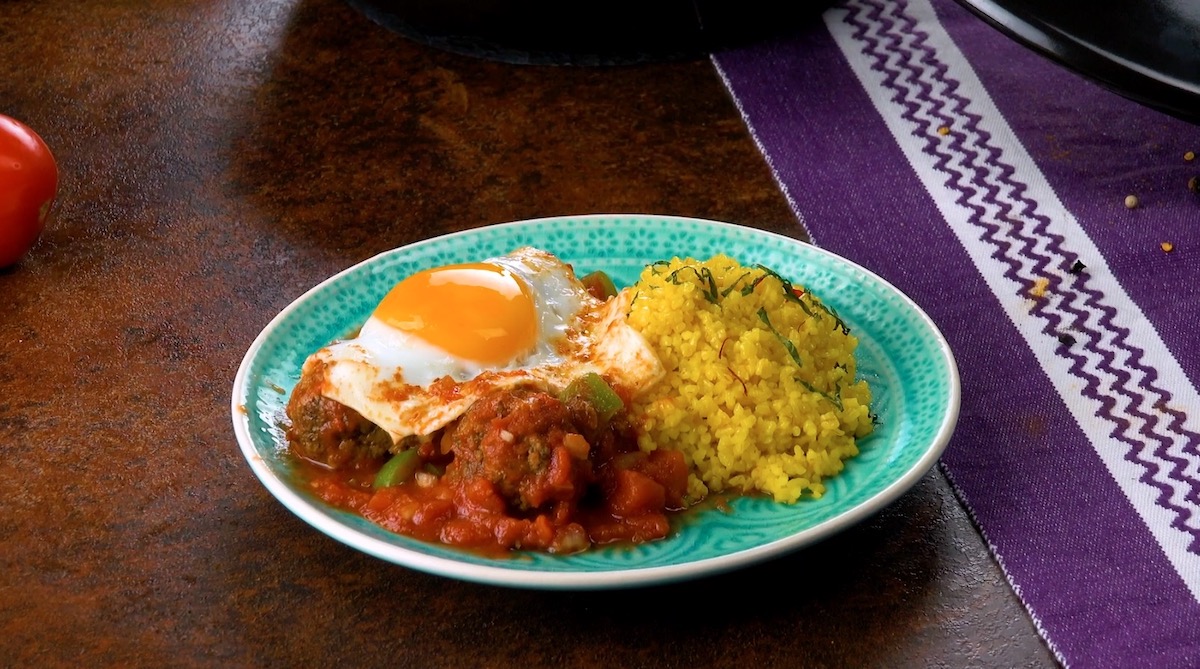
[(476, 311)]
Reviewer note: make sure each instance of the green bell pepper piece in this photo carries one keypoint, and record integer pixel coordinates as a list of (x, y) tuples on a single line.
[(595, 391), (399, 469)]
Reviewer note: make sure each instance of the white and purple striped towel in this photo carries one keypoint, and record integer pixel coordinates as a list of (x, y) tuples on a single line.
[(990, 185)]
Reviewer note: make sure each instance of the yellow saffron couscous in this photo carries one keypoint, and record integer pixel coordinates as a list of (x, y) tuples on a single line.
[(761, 392)]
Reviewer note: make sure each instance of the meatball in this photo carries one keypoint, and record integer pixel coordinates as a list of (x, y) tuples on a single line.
[(329, 432), (525, 443)]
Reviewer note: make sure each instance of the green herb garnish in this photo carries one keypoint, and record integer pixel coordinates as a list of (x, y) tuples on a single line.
[(838, 322), (787, 343), (705, 275), (729, 289), (789, 292), (708, 285), (835, 399)]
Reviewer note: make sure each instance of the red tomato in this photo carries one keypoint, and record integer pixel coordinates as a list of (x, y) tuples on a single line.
[(28, 183)]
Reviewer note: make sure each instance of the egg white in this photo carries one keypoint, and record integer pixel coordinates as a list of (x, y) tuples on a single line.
[(389, 376)]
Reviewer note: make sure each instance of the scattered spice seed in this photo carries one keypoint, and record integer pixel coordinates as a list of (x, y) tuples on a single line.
[(944, 130), (1167, 247), (1131, 202), (1194, 184), (1189, 156), (1066, 339), (1077, 267), (1039, 288)]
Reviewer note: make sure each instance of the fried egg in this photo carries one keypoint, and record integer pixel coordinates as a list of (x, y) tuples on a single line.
[(444, 337)]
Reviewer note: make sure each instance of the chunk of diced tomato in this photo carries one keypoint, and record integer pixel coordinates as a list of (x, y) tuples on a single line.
[(635, 494), (670, 470)]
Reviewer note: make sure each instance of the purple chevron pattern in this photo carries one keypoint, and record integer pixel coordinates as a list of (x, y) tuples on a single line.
[(882, 27), (1078, 447)]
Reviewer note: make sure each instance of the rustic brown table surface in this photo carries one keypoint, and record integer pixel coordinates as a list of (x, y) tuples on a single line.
[(219, 158)]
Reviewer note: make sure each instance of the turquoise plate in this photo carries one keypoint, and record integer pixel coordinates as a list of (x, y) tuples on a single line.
[(901, 353)]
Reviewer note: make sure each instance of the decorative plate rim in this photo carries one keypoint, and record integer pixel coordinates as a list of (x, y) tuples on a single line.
[(319, 518)]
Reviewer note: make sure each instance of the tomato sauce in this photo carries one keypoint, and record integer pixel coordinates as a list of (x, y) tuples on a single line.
[(521, 470)]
